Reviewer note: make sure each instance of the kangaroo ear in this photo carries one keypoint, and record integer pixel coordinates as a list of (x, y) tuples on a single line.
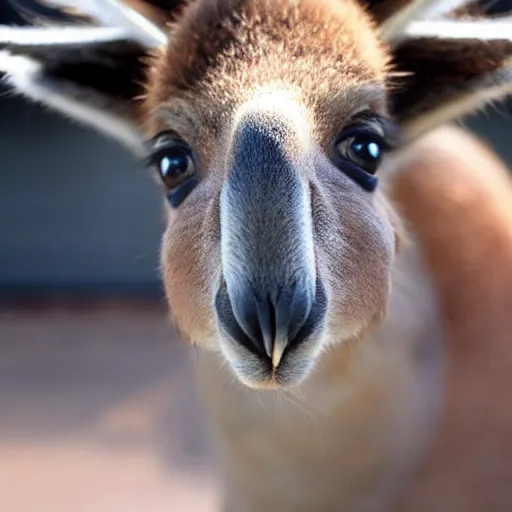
[(87, 62), (452, 76), (449, 59)]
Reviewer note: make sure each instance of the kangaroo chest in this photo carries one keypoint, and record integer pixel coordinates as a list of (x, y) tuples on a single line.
[(348, 437)]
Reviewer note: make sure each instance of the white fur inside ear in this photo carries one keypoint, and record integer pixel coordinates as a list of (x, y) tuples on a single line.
[(438, 8), (115, 13), (499, 28), (27, 77), (394, 29), (141, 28), (63, 36)]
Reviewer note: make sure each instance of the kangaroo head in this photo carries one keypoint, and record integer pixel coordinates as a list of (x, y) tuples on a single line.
[(269, 141)]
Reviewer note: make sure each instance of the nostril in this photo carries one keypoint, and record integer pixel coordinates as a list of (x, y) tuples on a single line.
[(301, 302), (268, 324), (246, 312), (255, 316), (292, 307), (233, 325), (315, 318)]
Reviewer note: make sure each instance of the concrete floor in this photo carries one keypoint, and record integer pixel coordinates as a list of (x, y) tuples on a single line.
[(98, 413)]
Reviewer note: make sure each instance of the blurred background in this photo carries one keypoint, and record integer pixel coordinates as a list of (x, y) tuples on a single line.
[(98, 410)]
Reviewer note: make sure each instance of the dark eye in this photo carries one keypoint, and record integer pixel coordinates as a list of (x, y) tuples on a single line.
[(363, 150), (175, 163), (358, 152)]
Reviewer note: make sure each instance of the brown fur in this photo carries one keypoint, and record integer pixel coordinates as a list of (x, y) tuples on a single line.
[(467, 237), (237, 46)]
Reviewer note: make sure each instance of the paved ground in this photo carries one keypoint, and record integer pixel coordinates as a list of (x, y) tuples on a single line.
[(98, 413)]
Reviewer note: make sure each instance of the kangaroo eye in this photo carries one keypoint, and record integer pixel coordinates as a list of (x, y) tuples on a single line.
[(359, 148), (175, 163), (363, 150)]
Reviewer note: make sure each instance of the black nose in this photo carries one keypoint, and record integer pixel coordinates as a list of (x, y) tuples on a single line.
[(267, 324)]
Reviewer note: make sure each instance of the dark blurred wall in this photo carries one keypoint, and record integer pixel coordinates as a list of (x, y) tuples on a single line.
[(75, 210)]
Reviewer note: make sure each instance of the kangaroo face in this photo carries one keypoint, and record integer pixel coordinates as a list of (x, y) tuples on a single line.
[(278, 242)]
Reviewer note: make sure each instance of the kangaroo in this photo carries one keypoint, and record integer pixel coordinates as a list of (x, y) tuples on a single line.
[(339, 254)]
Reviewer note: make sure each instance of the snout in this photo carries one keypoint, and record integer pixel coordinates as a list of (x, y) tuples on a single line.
[(271, 300), (272, 322)]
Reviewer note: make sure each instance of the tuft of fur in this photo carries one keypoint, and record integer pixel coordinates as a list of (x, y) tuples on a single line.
[(221, 52)]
